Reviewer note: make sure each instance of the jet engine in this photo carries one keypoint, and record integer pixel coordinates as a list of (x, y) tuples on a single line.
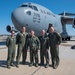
[(9, 28), (73, 23)]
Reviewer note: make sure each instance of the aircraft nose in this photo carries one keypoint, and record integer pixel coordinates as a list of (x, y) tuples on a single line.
[(18, 17)]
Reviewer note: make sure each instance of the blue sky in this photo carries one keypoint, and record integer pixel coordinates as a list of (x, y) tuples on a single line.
[(56, 6)]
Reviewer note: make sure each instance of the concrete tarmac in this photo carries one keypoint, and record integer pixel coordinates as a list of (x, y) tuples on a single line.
[(66, 66)]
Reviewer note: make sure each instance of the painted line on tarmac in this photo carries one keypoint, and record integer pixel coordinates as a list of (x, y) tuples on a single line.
[(3, 48), (36, 71)]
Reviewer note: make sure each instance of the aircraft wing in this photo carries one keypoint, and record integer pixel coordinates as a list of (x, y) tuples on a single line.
[(67, 14), (66, 18)]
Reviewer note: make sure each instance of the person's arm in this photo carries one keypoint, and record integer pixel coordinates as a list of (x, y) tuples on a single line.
[(27, 41), (38, 43), (7, 42), (17, 38), (47, 45), (59, 38)]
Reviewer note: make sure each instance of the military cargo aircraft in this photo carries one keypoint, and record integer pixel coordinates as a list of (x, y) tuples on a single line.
[(37, 17)]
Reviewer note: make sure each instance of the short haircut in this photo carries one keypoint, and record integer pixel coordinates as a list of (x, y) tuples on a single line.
[(23, 26), (50, 25)]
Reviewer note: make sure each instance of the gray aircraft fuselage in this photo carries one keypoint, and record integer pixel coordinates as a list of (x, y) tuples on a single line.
[(35, 17)]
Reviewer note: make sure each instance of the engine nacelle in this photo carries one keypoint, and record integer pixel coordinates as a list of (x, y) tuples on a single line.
[(73, 23), (9, 28)]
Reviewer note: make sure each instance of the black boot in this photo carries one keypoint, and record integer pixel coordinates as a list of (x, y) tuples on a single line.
[(36, 65), (31, 64), (12, 64), (8, 67), (47, 65)]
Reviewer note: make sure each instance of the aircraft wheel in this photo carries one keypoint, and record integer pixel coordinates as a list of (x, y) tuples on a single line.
[(69, 38), (63, 39)]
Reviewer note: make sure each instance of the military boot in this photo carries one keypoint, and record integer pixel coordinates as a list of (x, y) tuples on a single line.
[(12, 64), (47, 65), (17, 64), (8, 67), (41, 64), (55, 66), (31, 64), (36, 65)]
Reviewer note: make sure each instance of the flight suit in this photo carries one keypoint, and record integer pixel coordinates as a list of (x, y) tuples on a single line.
[(44, 46), (34, 44), (54, 41), (21, 41), (10, 43)]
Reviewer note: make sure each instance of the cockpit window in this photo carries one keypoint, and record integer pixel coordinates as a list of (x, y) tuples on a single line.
[(30, 6), (23, 5), (28, 12), (35, 8)]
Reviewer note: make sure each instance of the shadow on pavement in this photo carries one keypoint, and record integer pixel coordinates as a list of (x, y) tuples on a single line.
[(3, 63), (26, 63)]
